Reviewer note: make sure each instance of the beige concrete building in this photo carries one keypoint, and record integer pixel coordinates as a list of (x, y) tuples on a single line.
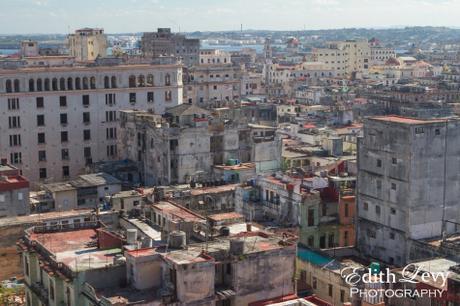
[(345, 57), (213, 81), (59, 116), (87, 44)]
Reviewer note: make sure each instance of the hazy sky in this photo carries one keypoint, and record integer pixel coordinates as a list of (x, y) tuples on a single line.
[(60, 16)]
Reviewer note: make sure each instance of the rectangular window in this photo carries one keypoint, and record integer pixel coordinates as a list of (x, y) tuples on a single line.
[(14, 122), (168, 95), (85, 100), (87, 152), (41, 138), (64, 136), (377, 209), (111, 150), (311, 217), (41, 155), (62, 101), (65, 171), (379, 163), (371, 233), (63, 119), (16, 157), (394, 161), (110, 99), (393, 186), (13, 104), (132, 97), (393, 211), (65, 154), (86, 117), (40, 120), (86, 134), (437, 132), (40, 102), (51, 286), (330, 289), (314, 283), (150, 96), (419, 130), (42, 173), (110, 116), (342, 296), (111, 133), (366, 206), (15, 140), (392, 236)]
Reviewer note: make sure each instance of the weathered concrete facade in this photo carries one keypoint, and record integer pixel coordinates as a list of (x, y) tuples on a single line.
[(407, 185)]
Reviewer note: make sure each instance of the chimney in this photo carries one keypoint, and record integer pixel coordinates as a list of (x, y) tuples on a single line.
[(3, 161), (248, 227)]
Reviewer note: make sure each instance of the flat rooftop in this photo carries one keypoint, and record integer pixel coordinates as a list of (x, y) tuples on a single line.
[(214, 189), (37, 218), (77, 249), (254, 242), (404, 120), (66, 241), (241, 166), (177, 211)]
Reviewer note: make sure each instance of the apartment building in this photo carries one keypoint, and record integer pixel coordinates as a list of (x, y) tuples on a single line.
[(408, 178), (213, 80), (59, 116), (87, 44), (164, 42), (185, 144), (14, 191), (90, 264), (345, 57)]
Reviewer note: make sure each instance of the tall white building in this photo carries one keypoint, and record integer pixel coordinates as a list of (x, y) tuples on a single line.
[(87, 44), (345, 57), (57, 117)]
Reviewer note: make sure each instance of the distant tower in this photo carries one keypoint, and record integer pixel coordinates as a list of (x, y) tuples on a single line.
[(29, 48), (87, 44), (267, 48)]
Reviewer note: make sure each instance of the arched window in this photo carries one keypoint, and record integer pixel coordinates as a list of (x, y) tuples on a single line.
[(106, 82), (47, 84), (150, 80), (16, 86), (132, 81), (167, 79), (31, 85), (39, 85), (62, 84), (9, 86), (55, 84), (85, 83), (77, 83), (69, 84), (114, 82), (141, 81), (92, 82)]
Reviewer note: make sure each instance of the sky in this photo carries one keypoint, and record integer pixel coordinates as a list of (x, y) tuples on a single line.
[(128, 16)]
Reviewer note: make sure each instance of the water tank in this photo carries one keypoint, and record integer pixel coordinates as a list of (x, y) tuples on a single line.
[(131, 236), (237, 246), (177, 240)]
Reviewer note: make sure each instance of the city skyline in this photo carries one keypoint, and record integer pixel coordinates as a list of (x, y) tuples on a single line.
[(205, 15)]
